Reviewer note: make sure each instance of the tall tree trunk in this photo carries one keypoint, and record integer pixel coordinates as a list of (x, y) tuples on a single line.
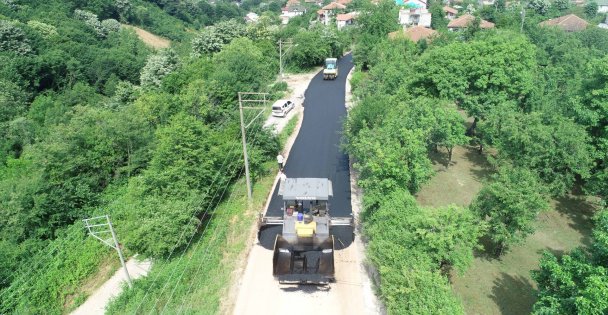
[(450, 149), (471, 131)]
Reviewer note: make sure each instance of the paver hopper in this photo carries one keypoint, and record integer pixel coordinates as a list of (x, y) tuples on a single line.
[(304, 252)]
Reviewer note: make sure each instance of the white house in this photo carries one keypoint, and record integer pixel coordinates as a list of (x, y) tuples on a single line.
[(415, 16), (602, 6), (290, 11), (450, 13), (343, 20), (326, 12)]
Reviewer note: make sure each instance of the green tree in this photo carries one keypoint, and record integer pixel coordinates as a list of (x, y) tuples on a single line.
[(600, 238), (157, 67), (240, 66), (447, 235), (206, 42), (556, 148), (311, 50), (400, 235), (390, 157), (561, 5), (13, 39), (540, 6), (571, 285), (480, 74), (438, 20), (591, 9), (510, 205), (449, 130)]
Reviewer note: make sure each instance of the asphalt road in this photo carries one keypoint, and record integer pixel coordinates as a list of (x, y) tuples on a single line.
[(316, 152)]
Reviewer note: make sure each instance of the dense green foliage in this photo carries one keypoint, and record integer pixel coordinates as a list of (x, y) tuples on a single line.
[(510, 205), (575, 283), (536, 99), (92, 121)]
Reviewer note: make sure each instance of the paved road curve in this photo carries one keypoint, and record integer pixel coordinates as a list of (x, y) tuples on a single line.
[(316, 151)]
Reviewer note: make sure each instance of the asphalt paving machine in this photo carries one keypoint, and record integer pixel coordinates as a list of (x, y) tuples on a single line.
[(331, 69), (304, 251)]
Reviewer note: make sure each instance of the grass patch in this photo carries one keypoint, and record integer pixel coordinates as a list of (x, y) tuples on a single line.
[(288, 129), (504, 286), (201, 277), (108, 265)]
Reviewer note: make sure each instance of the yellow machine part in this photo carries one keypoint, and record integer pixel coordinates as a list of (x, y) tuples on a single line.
[(306, 229)]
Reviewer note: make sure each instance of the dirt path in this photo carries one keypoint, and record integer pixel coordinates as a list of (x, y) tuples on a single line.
[(148, 38), (97, 302), (260, 293)]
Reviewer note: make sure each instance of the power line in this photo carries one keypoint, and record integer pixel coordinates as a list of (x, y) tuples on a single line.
[(177, 265), (183, 233), (197, 245), (18, 287)]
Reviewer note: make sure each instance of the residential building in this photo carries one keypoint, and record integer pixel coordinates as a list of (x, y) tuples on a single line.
[(568, 23), (415, 16), (450, 13), (343, 20), (465, 20), (326, 13), (290, 10), (411, 3), (414, 34)]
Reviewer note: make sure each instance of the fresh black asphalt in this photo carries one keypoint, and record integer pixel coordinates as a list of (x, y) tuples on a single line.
[(317, 152)]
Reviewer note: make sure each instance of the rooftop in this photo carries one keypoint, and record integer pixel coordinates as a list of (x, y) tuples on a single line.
[(568, 23), (333, 6), (345, 17), (415, 33), (466, 19), (447, 9)]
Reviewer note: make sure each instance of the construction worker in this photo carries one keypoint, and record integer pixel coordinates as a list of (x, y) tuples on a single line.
[(280, 160)]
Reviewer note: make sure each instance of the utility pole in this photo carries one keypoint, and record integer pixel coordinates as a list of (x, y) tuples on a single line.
[(288, 44), (245, 98), (95, 227)]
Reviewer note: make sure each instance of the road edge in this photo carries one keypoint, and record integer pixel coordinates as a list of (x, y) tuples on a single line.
[(368, 273)]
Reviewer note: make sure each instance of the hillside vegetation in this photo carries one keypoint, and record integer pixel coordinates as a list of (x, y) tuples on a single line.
[(93, 121)]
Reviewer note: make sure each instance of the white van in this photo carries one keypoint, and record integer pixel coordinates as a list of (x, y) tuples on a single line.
[(280, 108)]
